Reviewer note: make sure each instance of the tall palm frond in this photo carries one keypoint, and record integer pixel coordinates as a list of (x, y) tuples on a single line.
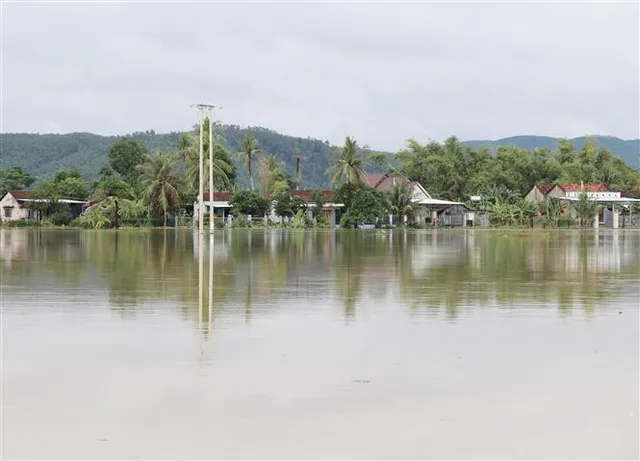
[(348, 164), (249, 150), (160, 183), (400, 199)]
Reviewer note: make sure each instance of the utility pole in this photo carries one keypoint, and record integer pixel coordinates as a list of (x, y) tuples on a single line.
[(211, 188), (298, 173), (201, 108)]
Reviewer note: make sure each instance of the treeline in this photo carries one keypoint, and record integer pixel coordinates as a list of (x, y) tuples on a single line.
[(137, 186)]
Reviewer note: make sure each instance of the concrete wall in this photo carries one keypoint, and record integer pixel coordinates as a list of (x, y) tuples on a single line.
[(9, 205)]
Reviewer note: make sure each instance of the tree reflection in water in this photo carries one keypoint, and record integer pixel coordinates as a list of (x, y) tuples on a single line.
[(252, 274)]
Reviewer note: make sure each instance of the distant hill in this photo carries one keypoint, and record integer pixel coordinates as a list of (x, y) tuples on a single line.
[(628, 150), (43, 154)]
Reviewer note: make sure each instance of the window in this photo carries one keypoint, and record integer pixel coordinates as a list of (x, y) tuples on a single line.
[(8, 211)]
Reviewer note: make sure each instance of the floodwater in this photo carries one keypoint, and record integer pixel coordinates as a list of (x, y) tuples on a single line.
[(468, 344)]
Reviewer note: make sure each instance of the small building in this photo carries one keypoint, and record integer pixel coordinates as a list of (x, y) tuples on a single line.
[(15, 206), (222, 207), (456, 216), (425, 206), (538, 192), (612, 201)]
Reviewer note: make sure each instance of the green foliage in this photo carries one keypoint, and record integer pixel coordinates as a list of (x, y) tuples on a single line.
[(160, 183), (61, 217), (586, 209), (318, 200), (224, 171), (124, 156), (272, 178), (246, 202), (249, 150), (240, 221), (400, 200), (348, 164), (111, 185), (65, 184), (551, 210), (22, 223), (14, 178), (363, 204), (288, 206)]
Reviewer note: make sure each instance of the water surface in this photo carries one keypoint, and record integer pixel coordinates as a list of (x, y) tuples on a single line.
[(449, 344)]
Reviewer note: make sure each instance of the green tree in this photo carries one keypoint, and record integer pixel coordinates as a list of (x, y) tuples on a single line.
[(246, 202), (400, 200), (160, 183), (586, 209), (124, 156), (287, 205), (14, 178), (249, 151), (348, 164), (272, 178), (363, 204), (526, 211), (224, 173), (64, 184)]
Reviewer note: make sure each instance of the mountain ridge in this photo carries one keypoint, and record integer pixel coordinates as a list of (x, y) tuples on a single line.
[(43, 154)]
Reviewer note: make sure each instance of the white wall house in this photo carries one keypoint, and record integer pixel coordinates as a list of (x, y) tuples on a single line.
[(13, 206)]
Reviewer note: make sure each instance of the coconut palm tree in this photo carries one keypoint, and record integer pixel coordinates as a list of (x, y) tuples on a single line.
[(250, 150), (348, 164), (160, 183), (400, 199), (189, 155)]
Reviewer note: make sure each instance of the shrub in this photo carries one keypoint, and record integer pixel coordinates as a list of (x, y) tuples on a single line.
[(23, 223), (240, 220)]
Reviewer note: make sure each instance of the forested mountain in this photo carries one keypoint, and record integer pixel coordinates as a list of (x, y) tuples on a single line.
[(628, 150), (43, 154)]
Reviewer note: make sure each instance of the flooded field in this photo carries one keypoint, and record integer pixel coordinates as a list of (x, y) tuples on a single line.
[(277, 344)]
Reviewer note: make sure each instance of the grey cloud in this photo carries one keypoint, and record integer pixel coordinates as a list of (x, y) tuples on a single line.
[(379, 72)]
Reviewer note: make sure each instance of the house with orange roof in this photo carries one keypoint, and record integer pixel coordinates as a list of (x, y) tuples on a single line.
[(611, 200), (425, 207)]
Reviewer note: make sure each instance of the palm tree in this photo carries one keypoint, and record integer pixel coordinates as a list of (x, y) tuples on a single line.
[(189, 154), (160, 183), (348, 164), (250, 149), (400, 199)]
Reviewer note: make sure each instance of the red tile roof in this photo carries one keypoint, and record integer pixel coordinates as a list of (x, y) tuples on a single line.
[(218, 196), (545, 188), (587, 188), (20, 194), (308, 194)]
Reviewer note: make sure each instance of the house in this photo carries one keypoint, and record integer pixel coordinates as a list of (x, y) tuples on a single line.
[(610, 200), (14, 206), (222, 207), (600, 192), (456, 215), (425, 207), (538, 192)]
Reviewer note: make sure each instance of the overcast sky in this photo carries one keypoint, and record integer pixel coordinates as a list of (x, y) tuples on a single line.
[(379, 72)]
